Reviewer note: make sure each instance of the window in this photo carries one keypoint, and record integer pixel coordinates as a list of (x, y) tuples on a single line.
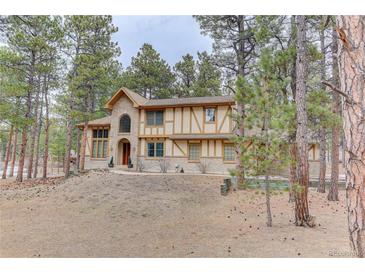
[(154, 118), (194, 152), (150, 118), (155, 149), (210, 115), (125, 123), (159, 117), (228, 152), (151, 149), (159, 149), (312, 152), (100, 143)]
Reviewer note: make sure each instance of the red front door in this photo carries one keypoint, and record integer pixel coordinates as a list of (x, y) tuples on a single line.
[(126, 153)]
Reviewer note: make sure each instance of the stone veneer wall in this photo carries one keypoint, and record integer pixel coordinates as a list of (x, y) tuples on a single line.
[(124, 106), (95, 164), (214, 165)]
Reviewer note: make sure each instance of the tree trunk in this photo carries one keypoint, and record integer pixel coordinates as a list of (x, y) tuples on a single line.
[(11, 173), (33, 137), (8, 152), (351, 30), (36, 161), (240, 133), (322, 131), (78, 150), (302, 217), (58, 162), (83, 146), (322, 161), (240, 129), (267, 183), (336, 109), (293, 178), (68, 148), (46, 133), (38, 133), (268, 203), (293, 152), (19, 177)]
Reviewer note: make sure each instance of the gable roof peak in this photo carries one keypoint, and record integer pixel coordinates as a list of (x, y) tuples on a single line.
[(136, 99)]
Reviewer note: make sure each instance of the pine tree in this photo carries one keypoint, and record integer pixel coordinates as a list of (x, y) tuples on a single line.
[(322, 131), (32, 38), (149, 75), (185, 76), (351, 52), (92, 58), (13, 89), (13, 157), (208, 82), (336, 128), (264, 145), (302, 216), (197, 78)]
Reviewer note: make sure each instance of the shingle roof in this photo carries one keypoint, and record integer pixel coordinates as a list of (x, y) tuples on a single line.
[(140, 101), (136, 97), (101, 121), (189, 101)]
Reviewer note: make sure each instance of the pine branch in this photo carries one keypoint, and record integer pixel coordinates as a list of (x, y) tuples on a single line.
[(330, 85)]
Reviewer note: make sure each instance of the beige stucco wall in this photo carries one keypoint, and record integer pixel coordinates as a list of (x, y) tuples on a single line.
[(188, 120)]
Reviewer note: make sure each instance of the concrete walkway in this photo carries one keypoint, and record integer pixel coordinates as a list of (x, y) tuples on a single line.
[(342, 178)]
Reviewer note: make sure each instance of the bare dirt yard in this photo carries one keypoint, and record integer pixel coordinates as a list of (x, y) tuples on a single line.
[(103, 214)]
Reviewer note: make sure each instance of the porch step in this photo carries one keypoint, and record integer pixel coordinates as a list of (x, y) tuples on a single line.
[(124, 168)]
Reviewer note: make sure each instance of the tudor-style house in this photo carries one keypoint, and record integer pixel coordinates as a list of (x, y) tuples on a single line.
[(180, 132)]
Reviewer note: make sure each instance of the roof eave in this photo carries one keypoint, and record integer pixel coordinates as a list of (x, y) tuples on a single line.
[(187, 105), (94, 125)]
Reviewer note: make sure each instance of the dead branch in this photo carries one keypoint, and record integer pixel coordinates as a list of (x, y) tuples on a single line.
[(331, 86)]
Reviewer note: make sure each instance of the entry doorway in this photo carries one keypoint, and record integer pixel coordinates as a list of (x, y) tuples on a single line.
[(124, 152)]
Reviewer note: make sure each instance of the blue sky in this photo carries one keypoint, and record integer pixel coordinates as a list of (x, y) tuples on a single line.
[(171, 36)]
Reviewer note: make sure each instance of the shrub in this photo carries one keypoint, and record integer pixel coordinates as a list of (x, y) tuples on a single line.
[(140, 165), (203, 166), (164, 164)]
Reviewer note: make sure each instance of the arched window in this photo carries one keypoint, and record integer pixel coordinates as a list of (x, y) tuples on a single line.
[(125, 123)]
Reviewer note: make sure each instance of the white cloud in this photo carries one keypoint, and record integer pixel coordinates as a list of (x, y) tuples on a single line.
[(171, 36)]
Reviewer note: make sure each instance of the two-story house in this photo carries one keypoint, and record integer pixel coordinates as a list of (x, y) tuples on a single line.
[(183, 132)]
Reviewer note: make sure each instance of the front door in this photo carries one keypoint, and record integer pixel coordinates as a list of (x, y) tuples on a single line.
[(126, 153)]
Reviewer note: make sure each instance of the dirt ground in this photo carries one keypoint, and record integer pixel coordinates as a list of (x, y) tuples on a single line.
[(103, 214)]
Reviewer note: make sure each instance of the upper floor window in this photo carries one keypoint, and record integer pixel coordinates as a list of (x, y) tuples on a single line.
[(125, 123), (210, 115), (154, 118), (100, 143)]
